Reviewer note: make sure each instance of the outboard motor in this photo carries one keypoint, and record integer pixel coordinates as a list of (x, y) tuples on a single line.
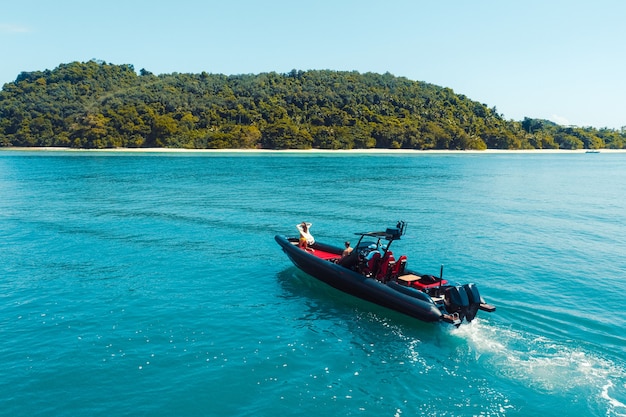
[(473, 297), (457, 301)]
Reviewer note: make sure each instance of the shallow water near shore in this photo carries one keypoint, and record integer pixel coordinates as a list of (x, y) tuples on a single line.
[(150, 284)]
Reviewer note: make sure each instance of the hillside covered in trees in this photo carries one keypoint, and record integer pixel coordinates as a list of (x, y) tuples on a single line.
[(100, 105)]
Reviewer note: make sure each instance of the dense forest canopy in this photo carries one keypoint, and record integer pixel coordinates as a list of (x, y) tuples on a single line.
[(99, 105)]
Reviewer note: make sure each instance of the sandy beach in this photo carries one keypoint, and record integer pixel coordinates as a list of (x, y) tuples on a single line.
[(333, 151)]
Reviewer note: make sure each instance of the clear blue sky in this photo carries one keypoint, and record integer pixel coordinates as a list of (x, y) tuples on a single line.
[(559, 60)]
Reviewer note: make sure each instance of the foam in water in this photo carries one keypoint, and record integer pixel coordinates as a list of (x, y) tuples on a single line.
[(547, 365)]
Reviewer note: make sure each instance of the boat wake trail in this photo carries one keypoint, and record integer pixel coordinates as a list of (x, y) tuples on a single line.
[(558, 368)]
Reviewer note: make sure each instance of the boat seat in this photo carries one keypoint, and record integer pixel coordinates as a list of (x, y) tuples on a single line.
[(350, 260), (387, 264), (399, 267), (372, 263)]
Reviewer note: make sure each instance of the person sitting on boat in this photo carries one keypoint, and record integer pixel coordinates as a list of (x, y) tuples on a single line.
[(371, 250), (347, 251), (349, 258), (306, 238)]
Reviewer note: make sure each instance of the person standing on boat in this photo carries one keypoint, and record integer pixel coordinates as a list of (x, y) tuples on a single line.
[(306, 238)]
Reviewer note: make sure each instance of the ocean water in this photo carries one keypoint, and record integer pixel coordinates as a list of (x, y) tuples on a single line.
[(150, 284)]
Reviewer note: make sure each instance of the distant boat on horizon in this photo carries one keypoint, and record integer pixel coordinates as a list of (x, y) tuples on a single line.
[(592, 151)]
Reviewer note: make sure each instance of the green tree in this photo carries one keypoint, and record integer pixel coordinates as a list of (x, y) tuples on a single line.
[(95, 104)]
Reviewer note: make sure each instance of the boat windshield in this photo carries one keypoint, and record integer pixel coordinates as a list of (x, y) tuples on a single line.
[(367, 244)]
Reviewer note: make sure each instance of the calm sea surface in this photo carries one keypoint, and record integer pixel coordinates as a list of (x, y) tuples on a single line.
[(150, 284)]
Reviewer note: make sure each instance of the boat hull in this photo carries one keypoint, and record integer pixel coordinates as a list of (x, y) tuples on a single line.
[(358, 285)]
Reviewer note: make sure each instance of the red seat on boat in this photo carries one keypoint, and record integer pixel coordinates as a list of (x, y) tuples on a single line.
[(387, 264), (399, 267), (429, 284), (372, 263)]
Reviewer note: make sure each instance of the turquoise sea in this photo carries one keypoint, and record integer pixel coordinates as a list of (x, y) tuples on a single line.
[(149, 284)]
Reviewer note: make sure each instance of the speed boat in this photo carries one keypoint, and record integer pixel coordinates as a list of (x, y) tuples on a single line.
[(372, 272)]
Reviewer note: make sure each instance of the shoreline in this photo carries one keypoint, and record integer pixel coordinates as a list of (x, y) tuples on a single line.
[(310, 151)]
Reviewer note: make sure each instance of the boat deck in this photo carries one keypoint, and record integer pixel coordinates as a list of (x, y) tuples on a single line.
[(326, 255), (322, 254)]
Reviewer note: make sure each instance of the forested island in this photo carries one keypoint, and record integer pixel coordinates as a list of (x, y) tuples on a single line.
[(97, 105)]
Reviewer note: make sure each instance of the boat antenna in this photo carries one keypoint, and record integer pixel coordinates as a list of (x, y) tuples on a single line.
[(440, 275)]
